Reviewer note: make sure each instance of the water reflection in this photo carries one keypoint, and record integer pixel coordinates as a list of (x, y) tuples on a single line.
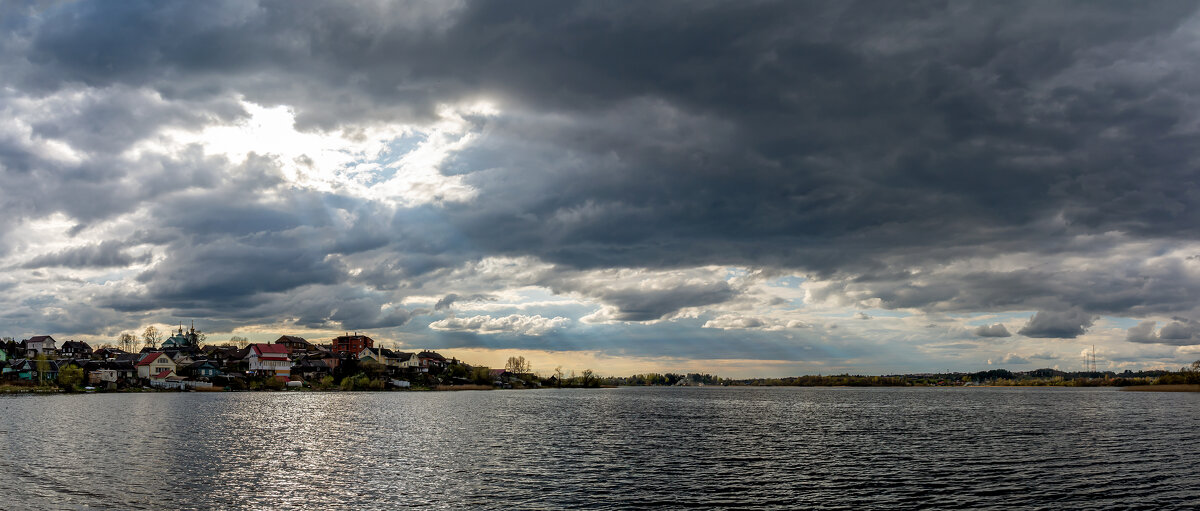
[(607, 448)]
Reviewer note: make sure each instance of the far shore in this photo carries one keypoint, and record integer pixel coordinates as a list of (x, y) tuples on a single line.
[(1180, 387)]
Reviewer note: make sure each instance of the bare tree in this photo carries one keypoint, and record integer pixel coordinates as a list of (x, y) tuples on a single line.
[(239, 341), (151, 337), (518, 365), (126, 341)]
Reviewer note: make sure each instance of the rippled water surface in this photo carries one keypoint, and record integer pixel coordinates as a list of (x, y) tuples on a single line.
[(614, 448)]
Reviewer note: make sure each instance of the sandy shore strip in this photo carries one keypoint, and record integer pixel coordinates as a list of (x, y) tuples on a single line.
[(1163, 388)]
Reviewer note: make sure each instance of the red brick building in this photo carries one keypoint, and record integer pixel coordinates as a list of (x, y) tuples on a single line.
[(352, 343)]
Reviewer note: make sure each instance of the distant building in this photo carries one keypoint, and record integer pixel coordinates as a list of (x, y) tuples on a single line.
[(39, 345), (295, 344), (422, 361), (353, 344), (107, 353), (76, 349), (154, 364), (269, 358), (182, 340), (201, 369)]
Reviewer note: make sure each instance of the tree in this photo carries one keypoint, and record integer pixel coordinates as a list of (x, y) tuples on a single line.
[(126, 342), (43, 367), (588, 377), (239, 341), (70, 377), (518, 365), (558, 375), (151, 337), (200, 337)]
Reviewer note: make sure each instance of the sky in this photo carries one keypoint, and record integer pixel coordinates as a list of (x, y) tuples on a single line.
[(747, 188)]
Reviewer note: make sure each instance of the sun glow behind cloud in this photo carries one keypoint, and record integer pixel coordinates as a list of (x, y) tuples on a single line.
[(395, 164)]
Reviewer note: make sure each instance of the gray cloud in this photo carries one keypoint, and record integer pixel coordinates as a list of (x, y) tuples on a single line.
[(447, 301), (1179, 332), (1065, 324), (1013, 358), (996, 330), (1142, 332), (106, 254)]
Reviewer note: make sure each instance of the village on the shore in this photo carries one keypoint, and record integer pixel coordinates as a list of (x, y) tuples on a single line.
[(181, 362), (352, 361)]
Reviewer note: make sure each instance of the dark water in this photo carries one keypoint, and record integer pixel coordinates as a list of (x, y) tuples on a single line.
[(620, 448)]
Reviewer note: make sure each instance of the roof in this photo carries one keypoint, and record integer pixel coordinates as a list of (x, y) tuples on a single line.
[(431, 354), (311, 364), (40, 338), (384, 352), (162, 374), (149, 358), (263, 349), (78, 345), (291, 339)]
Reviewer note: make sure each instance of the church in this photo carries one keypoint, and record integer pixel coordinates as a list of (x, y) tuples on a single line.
[(182, 340)]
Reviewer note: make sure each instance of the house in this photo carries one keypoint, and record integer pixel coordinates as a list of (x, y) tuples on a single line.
[(152, 364), (39, 345), (107, 353), (221, 354), (384, 356), (269, 359), (295, 344), (75, 349), (200, 369), (424, 360), (310, 368), (181, 358), (352, 344), (125, 370), (34, 370)]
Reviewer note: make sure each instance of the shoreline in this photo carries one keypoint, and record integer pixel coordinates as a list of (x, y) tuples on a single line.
[(1174, 387)]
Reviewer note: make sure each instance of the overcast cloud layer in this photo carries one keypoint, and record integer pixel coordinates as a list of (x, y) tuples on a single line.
[(875, 187)]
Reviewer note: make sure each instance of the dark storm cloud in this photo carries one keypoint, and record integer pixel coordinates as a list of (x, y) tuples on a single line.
[(869, 145), (1067, 324), (101, 255), (996, 330)]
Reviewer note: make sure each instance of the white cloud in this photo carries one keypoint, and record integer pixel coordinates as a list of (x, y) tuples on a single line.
[(512, 324)]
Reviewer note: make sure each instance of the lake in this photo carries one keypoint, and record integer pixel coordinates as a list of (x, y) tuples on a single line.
[(764, 448)]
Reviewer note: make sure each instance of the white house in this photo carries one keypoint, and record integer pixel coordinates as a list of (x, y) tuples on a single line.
[(269, 358), (40, 345), (422, 361)]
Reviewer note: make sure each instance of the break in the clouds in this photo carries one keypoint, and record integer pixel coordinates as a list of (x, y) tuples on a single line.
[(666, 179)]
